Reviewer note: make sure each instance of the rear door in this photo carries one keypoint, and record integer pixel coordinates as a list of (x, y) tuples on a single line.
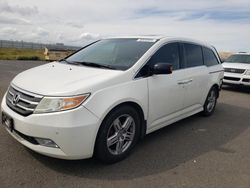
[(196, 82)]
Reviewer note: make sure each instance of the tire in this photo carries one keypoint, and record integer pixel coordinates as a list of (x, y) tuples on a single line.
[(118, 134), (210, 102)]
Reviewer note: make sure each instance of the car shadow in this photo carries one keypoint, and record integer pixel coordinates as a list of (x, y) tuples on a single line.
[(241, 89), (165, 149)]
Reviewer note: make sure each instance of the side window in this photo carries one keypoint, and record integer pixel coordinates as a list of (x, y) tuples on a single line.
[(209, 57), (167, 54), (193, 55)]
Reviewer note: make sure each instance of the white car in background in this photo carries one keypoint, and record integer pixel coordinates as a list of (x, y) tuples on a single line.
[(102, 99), (237, 69)]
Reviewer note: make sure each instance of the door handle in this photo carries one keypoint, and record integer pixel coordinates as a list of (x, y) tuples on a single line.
[(188, 81), (181, 82), (185, 81)]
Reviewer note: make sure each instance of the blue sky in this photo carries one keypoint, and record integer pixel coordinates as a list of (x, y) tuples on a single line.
[(224, 15), (240, 15), (225, 24)]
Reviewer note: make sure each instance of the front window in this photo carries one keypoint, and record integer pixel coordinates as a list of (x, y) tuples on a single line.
[(239, 59), (118, 54)]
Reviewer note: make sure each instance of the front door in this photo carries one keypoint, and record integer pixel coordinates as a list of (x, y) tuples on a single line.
[(166, 94)]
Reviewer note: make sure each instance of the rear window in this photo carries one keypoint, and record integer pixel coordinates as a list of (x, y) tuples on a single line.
[(209, 57), (193, 55)]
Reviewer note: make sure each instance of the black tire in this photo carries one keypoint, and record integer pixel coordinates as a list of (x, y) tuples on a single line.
[(208, 110), (106, 153)]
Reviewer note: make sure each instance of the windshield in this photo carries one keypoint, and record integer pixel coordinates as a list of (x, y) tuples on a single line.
[(239, 59), (113, 53)]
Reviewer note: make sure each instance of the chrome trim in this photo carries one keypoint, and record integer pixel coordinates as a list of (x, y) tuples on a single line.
[(236, 70), (9, 99), (27, 101), (25, 108), (20, 106), (11, 93), (26, 92)]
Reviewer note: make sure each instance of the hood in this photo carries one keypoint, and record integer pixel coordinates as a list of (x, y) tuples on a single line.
[(236, 65), (58, 79)]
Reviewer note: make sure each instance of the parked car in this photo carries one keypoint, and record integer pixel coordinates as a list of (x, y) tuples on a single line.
[(102, 99), (237, 69)]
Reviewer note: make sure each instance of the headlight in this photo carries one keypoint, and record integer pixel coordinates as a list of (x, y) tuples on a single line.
[(248, 72), (56, 104)]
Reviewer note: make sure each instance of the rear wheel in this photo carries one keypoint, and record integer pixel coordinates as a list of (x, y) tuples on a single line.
[(118, 134), (210, 102)]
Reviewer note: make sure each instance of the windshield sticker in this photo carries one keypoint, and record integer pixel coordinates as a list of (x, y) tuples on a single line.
[(146, 40)]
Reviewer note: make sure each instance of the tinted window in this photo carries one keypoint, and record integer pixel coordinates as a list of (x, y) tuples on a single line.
[(209, 57), (167, 54), (117, 53), (193, 55)]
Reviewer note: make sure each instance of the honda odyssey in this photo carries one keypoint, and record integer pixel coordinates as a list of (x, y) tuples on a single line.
[(102, 99)]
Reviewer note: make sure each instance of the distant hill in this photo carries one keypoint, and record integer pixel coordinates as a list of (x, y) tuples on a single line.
[(225, 55), (32, 45)]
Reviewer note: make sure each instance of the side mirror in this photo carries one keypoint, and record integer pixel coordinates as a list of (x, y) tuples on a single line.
[(162, 68)]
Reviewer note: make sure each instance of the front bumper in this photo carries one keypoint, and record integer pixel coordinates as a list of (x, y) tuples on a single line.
[(74, 131), (236, 79)]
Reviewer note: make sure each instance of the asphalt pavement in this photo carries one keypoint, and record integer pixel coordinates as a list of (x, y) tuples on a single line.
[(211, 152)]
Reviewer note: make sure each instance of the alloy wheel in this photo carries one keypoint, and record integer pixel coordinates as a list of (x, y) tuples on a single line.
[(121, 134), (211, 101)]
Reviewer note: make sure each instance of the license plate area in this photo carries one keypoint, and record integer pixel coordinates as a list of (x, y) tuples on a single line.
[(8, 122)]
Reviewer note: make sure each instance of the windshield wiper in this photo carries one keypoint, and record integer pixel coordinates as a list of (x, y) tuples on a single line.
[(69, 62), (97, 65), (89, 64)]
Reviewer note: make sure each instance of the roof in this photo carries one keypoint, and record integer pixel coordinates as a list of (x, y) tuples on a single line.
[(137, 36), (162, 37)]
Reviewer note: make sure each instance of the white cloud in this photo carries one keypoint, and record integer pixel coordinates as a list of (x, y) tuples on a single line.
[(8, 30), (224, 24), (88, 36), (42, 32), (16, 9), (75, 24), (9, 19)]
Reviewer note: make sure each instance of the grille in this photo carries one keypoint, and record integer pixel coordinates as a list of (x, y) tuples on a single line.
[(231, 78), (22, 102), (246, 80), (232, 70)]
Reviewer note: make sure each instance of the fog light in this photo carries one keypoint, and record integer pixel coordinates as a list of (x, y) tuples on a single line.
[(46, 142)]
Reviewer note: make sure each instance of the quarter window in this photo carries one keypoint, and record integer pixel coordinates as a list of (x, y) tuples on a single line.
[(193, 55), (209, 57)]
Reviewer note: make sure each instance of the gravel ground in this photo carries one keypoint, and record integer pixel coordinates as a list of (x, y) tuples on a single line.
[(195, 152)]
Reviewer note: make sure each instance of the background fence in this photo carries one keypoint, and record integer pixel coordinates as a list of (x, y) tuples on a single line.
[(31, 45)]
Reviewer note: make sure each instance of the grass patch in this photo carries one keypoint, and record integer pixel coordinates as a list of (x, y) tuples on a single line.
[(21, 54)]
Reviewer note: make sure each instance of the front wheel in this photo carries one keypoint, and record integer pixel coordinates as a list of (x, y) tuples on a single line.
[(210, 102), (118, 134)]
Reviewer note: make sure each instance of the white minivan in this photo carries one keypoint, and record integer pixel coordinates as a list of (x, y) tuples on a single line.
[(102, 99)]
